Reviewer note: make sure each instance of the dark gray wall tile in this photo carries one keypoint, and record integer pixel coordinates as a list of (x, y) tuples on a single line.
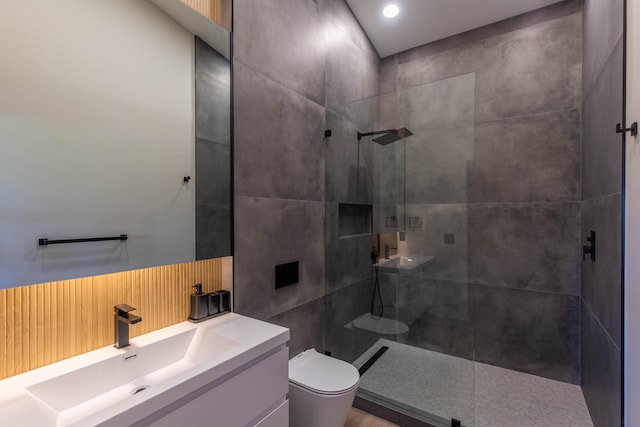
[(213, 94), (443, 65), (339, 17), (288, 47), (348, 260), (389, 74), (213, 173), (545, 16), (278, 141), (281, 77), (213, 231), (342, 307), (451, 259), (362, 112), (348, 162), (383, 218), (436, 165), (533, 332), (601, 145), (601, 373), (528, 158), (487, 55), (269, 232), (388, 179), (351, 73), (442, 104), (602, 279), (537, 70), (602, 22), (532, 246), (388, 114), (306, 324), (439, 314)]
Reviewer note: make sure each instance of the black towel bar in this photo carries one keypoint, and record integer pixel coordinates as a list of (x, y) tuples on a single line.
[(45, 242)]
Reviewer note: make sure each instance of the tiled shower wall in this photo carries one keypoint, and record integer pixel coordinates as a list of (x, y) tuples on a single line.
[(515, 208), (601, 209), (525, 175), (288, 66)]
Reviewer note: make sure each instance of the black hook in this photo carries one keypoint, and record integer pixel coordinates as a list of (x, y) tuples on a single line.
[(186, 179)]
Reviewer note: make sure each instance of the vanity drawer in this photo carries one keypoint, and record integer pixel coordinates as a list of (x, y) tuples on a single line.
[(239, 400), (278, 418)]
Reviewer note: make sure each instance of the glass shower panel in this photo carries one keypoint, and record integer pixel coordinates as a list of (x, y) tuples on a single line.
[(349, 181), (398, 298)]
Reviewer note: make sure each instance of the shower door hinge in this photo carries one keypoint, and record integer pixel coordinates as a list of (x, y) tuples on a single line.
[(633, 129)]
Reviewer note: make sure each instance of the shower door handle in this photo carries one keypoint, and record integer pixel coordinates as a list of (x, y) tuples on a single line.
[(591, 247), (633, 129)]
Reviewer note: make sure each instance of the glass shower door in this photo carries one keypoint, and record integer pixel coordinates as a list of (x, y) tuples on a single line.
[(406, 322)]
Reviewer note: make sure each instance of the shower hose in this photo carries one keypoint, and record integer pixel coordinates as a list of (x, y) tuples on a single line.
[(379, 310)]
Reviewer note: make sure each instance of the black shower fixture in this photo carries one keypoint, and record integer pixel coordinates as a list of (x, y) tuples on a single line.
[(388, 136)]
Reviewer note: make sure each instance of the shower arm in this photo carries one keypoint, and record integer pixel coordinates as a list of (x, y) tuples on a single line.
[(380, 132)]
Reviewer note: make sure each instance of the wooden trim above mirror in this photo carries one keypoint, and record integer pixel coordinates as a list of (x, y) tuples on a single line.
[(219, 11)]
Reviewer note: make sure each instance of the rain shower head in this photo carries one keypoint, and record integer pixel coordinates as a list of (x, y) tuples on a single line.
[(388, 136)]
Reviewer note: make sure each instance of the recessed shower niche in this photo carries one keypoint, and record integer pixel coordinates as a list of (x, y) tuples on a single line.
[(354, 219)]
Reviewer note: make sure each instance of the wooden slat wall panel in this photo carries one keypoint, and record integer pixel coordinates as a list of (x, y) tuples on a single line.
[(202, 6), (219, 11), (46, 323)]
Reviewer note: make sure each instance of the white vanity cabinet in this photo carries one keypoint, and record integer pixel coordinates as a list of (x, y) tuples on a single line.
[(229, 371), (252, 395)]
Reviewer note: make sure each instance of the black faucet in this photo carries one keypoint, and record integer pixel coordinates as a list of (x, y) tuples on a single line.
[(122, 320)]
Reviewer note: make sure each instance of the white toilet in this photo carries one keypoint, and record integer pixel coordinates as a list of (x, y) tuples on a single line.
[(321, 390)]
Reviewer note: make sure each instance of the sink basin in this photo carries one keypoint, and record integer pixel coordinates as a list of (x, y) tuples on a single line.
[(159, 372), (132, 371), (404, 262)]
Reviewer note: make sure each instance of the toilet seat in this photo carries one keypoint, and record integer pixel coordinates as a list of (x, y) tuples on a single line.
[(322, 374)]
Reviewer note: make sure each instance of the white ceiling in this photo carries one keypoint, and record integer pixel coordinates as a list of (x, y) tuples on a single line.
[(424, 21)]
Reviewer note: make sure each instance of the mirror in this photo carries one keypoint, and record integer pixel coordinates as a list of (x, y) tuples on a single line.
[(112, 122)]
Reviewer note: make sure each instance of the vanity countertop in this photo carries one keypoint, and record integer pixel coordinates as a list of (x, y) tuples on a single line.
[(213, 350)]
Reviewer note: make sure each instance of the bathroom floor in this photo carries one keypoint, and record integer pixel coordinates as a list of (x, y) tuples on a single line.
[(440, 387), (358, 418)]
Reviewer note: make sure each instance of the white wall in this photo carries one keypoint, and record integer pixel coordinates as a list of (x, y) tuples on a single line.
[(632, 218), (96, 133)]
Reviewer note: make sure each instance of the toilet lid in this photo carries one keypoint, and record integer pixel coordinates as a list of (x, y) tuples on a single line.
[(322, 374)]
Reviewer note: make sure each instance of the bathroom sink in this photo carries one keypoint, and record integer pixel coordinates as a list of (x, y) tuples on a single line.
[(403, 262), (109, 377), (159, 372), (139, 368)]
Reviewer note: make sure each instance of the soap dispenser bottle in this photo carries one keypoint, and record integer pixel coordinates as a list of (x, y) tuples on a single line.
[(199, 304)]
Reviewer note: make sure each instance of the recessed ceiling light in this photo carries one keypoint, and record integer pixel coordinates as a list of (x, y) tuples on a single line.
[(390, 10)]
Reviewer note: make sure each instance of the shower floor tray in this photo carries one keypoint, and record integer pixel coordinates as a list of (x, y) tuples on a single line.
[(480, 395)]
